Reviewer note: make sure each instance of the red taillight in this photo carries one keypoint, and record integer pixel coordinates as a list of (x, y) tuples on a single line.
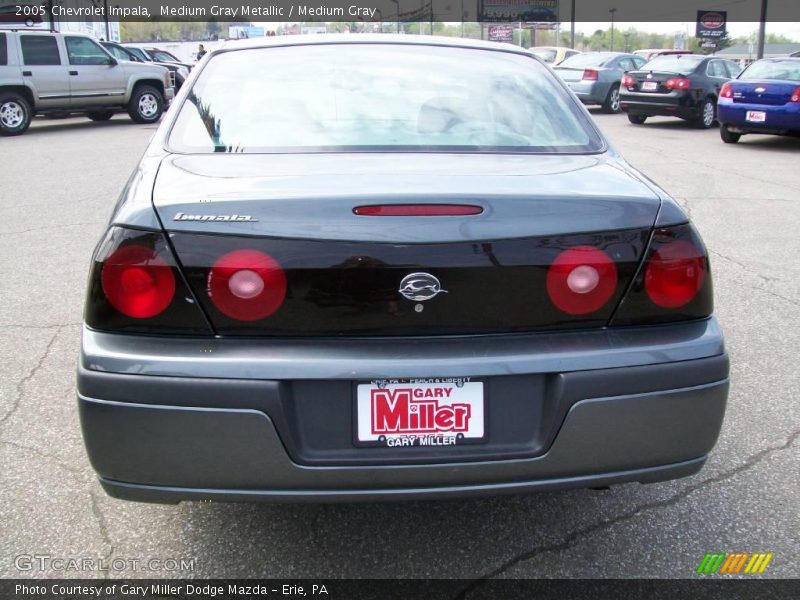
[(726, 91), (137, 282), (589, 75), (581, 280), (247, 285), (795, 95), (628, 81), (417, 210), (674, 274), (677, 83)]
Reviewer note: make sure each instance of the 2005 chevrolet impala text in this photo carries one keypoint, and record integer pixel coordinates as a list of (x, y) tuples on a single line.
[(353, 268)]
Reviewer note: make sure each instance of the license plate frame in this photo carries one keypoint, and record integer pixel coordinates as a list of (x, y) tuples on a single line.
[(755, 116), (467, 395), (649, 86)]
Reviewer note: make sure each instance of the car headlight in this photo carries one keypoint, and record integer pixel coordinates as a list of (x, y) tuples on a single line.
[(183, 72)]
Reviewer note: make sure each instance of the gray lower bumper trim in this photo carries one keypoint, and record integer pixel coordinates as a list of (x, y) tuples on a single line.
[(353, 359), (173, 495)]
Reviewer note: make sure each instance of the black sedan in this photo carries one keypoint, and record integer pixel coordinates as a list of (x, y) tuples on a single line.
[(385, 267), (684, 85)]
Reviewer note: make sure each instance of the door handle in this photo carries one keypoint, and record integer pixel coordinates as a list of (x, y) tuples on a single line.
[(27, 73), (73, 72)]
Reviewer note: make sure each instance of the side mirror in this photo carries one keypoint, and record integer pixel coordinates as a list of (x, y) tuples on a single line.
[(112, 62)]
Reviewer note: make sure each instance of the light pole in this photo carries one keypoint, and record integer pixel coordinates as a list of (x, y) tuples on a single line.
[(612, 11), (572, 28), (462, 18)]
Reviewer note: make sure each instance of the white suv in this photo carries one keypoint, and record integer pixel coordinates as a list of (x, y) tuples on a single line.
[(43, 72)]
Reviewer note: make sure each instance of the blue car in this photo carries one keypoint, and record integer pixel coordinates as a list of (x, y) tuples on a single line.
[(764, 98)]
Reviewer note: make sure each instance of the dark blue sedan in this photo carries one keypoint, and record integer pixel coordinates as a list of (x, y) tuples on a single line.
[(765, 98)]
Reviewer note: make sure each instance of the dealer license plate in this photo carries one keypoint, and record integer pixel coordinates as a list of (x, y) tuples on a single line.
[(756, 116), (432, 412), (649, 86)]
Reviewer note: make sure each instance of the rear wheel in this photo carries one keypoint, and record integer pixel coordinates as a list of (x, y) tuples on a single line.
[(611, 104), (146, 105), (15, 114), (100, 115), (637, 119), (728, 136), (706, 114)]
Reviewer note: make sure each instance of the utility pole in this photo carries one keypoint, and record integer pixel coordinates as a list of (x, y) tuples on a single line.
[(762, 25)]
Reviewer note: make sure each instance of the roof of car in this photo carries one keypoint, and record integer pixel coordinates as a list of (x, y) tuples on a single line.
[(379, 38)]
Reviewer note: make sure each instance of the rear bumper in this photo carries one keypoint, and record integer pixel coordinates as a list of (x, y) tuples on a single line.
[(674, 104), (779, 119), (589, 92), (164, 439)]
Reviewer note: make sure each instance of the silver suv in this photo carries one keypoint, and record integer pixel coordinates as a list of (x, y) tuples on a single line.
[(42, 72)]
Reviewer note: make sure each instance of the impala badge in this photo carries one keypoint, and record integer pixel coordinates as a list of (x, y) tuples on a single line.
[(760, 90), (420, 287)]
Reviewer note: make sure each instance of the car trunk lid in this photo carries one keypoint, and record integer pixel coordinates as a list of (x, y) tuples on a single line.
[(767, 92), (345, 273)]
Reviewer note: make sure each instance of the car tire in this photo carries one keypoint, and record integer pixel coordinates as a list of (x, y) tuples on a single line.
[(728, 136), (100, 115), (146, 104), (706, 114), (637, 119), (15, 114), (611, 103)]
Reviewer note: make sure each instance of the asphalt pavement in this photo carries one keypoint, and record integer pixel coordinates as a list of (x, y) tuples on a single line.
[(59, 184)]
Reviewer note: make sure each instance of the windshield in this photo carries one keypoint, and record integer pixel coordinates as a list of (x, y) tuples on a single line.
[(682, 64), (579, 61), (546, 54), (350, 97), (138, 53), (163, 56), (787, 69)]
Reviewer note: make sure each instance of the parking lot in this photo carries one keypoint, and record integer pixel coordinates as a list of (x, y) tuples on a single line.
[(59, 184)]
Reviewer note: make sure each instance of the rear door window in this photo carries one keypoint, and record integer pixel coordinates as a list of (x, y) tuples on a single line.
[(83, 51), (40, 50), (717, 70)]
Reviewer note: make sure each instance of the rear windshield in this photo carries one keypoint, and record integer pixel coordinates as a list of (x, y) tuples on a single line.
[(682, 64), (785, 69), (351, 97), (580, 61), (546, 54)]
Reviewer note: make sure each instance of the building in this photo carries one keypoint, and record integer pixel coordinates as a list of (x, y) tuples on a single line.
[(748, 52)]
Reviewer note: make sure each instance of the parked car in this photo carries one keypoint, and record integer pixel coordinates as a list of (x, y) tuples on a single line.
[(180, 69), (61, 73), (384, 285), (156, 55), (177, 73), (553, 54), (764, 98), (595, 76), (651, 53), (164, 56), (683, 85)]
